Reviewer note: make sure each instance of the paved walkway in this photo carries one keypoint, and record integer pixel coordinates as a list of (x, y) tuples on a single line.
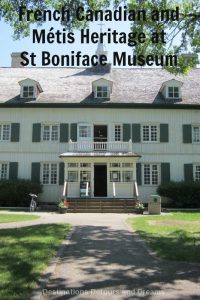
[(104, 259)]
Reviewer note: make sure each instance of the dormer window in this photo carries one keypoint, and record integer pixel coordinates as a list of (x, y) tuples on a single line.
[(173, 92), (28, 92), (30, 89), (102, 88), (102, 92)]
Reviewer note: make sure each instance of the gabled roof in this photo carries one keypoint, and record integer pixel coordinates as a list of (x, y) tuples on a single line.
[(74, 85), (171, 81)]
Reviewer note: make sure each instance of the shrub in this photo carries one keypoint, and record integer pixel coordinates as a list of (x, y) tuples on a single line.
[(183, 194), (16, 193)]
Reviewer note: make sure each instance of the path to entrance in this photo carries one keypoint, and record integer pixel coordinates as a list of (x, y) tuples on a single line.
[(104, 259)]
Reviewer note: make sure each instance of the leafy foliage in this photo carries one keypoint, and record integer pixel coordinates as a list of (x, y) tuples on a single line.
[(16, 193), (183, 194), (182, 36)]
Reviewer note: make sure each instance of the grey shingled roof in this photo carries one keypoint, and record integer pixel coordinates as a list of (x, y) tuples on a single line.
[(74, 85)]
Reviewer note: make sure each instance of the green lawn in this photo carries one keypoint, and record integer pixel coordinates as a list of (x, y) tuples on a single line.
[(174, 237), (24, 254), (7, 218)]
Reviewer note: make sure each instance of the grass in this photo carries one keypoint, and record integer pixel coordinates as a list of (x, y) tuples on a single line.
[(174, 237), (24, 254), (8, 218)]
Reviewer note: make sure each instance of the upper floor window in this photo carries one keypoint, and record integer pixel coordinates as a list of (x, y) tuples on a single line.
[(151, 174), (150, 133), (102, 92), (5, 132), (197, 173), (84, 131), (118, 133), (173, 92), (28, 92), (3, 171), (50, 133), (30, 89), (49, 173), (196, 134)]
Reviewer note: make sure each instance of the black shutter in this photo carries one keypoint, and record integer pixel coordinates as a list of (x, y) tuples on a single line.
[(126, 132), (61, 173), (36, 134), (139, 173), (64, 136), (15, 129), (13, 170), (165, 172), (73, 132), (164, 133), (136, 133), (188, 172), (187, 133), (35, 172)]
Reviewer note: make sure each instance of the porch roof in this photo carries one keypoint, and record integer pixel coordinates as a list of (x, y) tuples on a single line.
[(100, 154)]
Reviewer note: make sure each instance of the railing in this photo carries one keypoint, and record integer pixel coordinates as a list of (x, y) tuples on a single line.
[(65, 190), (114, 190), (135, 190), (100, 146)]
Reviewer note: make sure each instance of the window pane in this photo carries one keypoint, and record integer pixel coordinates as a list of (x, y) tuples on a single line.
[(115, 165), (6, 133), (54, 133), (196, 134), (85, 175), (45, 177), (153, 133), (3, 171), (53, 173), (72, 165), (127, 176), (46, 133), (155, 174), (197, 173), (145, 133), (115, 176), (147, 174), (73, 176)]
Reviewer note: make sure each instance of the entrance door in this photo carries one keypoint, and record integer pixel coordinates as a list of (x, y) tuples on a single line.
[(100, 180), (100, 133)]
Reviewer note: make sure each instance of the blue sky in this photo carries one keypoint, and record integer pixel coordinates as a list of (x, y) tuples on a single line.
[(8, 45)]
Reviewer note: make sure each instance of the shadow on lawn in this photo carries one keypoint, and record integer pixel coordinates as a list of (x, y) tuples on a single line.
[(100, 258), (23, 254)]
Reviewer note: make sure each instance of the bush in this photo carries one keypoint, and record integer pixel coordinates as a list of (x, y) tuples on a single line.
[(183, 194), (16, 193)]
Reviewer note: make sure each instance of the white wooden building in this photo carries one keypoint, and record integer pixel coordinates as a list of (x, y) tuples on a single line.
[(106, 127)]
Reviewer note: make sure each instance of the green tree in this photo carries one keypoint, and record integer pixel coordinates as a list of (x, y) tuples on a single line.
[(181, 36)]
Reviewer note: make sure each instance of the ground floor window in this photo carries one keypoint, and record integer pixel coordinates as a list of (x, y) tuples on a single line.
[(197, 173), (151, 174), (73, 176), (49, 173), (121, 172), (3, 171)]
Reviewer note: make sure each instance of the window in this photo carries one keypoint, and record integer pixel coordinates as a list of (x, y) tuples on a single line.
[(102, 91), (72, 165), (50, 173), (28, 92), (5, 132), (85, 165), (127, 176), (118, 133), (3, 171), (84, 131), (196, 134), (150, 133), (115, 176), (197, 173), (73, 176), (85, 176), (50, 132), (173, 92), (151, 174)]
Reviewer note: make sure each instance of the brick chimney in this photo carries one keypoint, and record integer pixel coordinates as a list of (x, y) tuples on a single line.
[(16, 60)]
